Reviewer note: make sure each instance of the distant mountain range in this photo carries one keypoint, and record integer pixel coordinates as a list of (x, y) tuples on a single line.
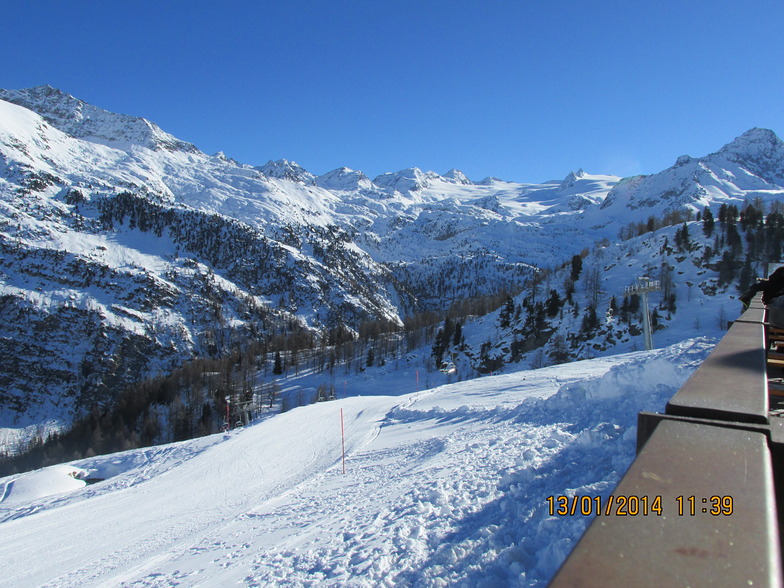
[(124, 250)]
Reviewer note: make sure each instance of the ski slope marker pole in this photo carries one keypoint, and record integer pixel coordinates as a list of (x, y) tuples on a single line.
[(343, 440)]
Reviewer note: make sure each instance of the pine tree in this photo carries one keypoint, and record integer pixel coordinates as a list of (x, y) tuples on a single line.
[(553, 304), (371, 357), (590, 321), (560, 352), (505, 316), (577, 267), (727, 268), (458, 335), (734, 241), (634, 303), (682, 238), (708, 222), (746, 278)]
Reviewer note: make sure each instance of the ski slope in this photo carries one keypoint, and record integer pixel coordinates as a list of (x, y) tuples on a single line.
[(441, 486)]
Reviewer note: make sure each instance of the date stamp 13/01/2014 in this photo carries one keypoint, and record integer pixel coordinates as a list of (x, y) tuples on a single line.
[(632, 506)]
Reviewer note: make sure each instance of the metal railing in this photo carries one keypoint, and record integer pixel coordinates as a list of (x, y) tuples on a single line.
[(702, 503)]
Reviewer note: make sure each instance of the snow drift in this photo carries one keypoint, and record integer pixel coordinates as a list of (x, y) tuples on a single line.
[(442, 487)]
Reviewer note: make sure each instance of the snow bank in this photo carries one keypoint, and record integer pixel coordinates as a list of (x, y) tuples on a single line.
[(41, 484), (442, 487)]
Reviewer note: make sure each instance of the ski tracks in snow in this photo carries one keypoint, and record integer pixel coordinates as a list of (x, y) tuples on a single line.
[(397, 517), (443, 487), (235, 527)]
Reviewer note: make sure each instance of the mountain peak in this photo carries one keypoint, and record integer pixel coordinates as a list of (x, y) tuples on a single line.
[(46, 91), (683, 160), (85, 121), (410, 179), (571, 178), (758, 150), (755, 140), (457, 177), (344, 179), (283, 169)]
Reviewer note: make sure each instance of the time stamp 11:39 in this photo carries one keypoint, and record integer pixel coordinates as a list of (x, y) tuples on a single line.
[(631, 505)]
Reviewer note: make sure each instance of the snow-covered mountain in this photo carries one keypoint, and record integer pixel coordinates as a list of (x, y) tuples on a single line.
[(749, 167), (85, 121), (124, 250)]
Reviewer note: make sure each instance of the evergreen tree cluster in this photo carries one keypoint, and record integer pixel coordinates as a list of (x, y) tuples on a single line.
[(451, 334), (762, 229), (744, 238), (670, 218), (193, 399), (189, 402), (438, 283), (260, 265)]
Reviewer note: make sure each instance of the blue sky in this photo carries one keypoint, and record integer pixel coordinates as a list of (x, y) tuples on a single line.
[(521, 90)]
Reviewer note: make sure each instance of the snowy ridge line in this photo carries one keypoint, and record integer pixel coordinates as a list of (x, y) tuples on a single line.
[(106, 218), (672, 525)]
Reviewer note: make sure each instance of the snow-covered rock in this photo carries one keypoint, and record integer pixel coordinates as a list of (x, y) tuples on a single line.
[(287, 170), (345, 180), (751, 166), (407, 180), (457, 177), (85, 121), (134, 244)]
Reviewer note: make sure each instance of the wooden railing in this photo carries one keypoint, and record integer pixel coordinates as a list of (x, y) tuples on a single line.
[(701, 503)]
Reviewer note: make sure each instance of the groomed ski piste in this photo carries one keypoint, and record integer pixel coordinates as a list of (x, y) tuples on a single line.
[(442, 487)]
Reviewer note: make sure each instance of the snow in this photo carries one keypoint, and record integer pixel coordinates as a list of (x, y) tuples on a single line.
[(445, 486), (41, 484), (79, 119)]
